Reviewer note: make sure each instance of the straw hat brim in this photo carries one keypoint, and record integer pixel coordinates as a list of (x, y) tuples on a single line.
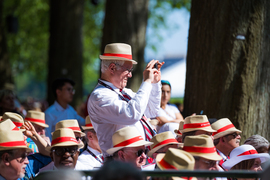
[(116, 58), (152, 151), (211, 156), (224, 133), (82, 134), (62, 144), (16, 147), (208, 129), (178, 178), (136, 144), (87, 127), (176, 132), (233, 161), (40, 124)]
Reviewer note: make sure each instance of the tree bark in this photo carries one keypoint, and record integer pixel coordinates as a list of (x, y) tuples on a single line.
[(5, 67), (65, 46), (228, 67), (125, 22)]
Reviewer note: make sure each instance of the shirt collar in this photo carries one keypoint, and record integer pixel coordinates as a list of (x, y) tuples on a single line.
[(221, 154), (93, 151), (59, 107), (111, 85)]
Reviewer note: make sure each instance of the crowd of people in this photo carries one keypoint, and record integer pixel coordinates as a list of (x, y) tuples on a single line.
[(138, 128)]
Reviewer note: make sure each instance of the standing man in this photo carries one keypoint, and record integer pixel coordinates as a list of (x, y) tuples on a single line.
[(111, 106), (60, 110)]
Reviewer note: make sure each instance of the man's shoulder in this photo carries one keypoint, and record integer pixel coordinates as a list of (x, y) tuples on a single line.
[(50, 109)]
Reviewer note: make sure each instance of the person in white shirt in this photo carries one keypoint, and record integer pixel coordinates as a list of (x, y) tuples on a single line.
[(91, 157), (111, 106)]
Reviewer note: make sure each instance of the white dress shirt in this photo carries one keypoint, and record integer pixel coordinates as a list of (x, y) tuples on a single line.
[(56, 113), (109, 113), (87, 162)]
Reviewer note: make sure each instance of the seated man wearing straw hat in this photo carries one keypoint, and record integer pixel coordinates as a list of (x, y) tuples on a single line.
[(64, 150), (111, 106), (196, 125), (91, 157), (13, 155), (226, 138), (203, 150), (129, 146)]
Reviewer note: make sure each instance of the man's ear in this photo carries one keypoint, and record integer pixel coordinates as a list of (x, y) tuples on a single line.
[(222, 139), (90, 135), (5, 159), (112, 68), (58, 91), (121, 156)]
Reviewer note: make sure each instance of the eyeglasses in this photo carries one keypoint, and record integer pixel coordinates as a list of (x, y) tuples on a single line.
[(129, 70), (140, 152), (209, 163), (61, 151), (79, 138), (71, 90), (235, 134), (23, 157)]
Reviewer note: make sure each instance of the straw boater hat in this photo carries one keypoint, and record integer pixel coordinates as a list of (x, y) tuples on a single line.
[(176, 159), (71, 124), (178, 131), (161, 140), (12, 140), (117, 51), (195, 123), (202, 146), (63, 137), (223, 127), (244, 152), (14, 117), (88, 124), (127, 137), (9, 125), (36, 117)]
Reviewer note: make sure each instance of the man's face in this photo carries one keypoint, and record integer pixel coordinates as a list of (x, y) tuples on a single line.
[(166, 93), (121, 75), (65, 157), (232, 140), (257, 165), (205, 164), (17, 163), (130, 155), (164, 149), (65, 93), (39, 129), (8, 103), (204, 132)]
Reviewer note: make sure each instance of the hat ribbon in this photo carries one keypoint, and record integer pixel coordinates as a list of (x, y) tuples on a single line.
[(89, 125), (35, 120), (166, 165), (13, 143), (196, 125), (199, 149), (74, 128), (128, 56), (252, 151), (167, 141), (178, 131), (18, 124), (15, 129), (63, 139), (129, 141), (224, 129)]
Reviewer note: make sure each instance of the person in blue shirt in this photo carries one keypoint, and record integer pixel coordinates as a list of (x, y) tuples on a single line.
[(60, 110)]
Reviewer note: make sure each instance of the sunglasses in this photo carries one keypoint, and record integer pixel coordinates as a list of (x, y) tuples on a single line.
[(233, 134), (141, 151), (79, 138), (23, 157), (61, 151)]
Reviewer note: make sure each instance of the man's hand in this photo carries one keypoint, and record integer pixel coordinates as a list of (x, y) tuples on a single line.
[(151, 74), (30, 131)]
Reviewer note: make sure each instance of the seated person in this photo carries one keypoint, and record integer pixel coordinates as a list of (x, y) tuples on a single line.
[(196, 125), (175, 159), (91, 157), (259, 143), (129, 146), (64, 151), (38, 121), (169, 116), (13, 154), (245, 157)]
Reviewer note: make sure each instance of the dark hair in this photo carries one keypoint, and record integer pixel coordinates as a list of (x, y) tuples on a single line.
[(191, 133), (10, 152), (59, 83), (244, 165)]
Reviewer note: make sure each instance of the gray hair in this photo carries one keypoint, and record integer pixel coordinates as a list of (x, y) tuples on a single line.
[(257, 141), (106, 63)]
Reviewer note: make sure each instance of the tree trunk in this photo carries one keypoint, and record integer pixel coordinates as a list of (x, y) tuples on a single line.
[(125, 22), (65, 47), (228, 67), (5, 68)]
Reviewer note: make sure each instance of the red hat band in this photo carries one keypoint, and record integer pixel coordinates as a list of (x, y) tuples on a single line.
[(129, 141)]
